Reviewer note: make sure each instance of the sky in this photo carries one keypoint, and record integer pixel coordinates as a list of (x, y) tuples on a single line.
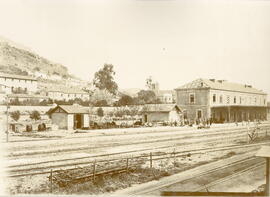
[(174, 41)]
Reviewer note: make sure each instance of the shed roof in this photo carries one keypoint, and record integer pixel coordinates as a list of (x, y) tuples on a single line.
[(71, 109), (160, 108), (220, 85), (264, 152)]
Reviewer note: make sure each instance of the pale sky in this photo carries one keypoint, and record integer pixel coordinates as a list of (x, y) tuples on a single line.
[(173, 41)]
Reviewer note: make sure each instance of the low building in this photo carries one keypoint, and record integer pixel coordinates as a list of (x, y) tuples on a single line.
[(221, 100), (70, 116), (65, 93), (161, 113), (19, 83)]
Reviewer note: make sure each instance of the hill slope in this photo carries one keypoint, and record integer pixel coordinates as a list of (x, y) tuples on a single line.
[(16, 59)]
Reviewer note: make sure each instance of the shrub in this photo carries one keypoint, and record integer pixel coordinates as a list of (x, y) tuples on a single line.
[(35, 115), (15, 115)]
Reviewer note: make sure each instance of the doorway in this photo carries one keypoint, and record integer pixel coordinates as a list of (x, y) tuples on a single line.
[(78, 121)]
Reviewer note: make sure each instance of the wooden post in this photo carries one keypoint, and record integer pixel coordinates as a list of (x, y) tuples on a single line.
[(51, 181), (127, 166), (267, 186), (174, 160), (94, 170), (151, 160)]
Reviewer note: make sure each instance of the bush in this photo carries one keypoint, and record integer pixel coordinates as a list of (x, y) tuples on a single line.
[(35, 115), (15, 115)]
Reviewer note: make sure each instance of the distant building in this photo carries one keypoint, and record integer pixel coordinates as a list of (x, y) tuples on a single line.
[(164, 96), (161, 113), (18, 83), (65, 94), (70, 116), (221, 100), (27, 97)]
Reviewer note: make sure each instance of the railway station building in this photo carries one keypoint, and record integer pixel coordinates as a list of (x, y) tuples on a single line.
[(221, 100)]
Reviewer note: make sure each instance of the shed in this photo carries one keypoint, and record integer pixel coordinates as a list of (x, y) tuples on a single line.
[(161, 113), (70, 116)]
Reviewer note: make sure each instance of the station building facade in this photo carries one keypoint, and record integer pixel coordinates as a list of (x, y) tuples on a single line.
[(221, 100)]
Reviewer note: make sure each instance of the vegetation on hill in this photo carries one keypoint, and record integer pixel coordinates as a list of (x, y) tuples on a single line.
[(20, 61)]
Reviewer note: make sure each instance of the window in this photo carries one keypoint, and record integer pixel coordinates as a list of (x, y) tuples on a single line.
[(220, 99), (191, 98), (234, 100), (228, 99), (255, 100), (214, 98), (240, 100)]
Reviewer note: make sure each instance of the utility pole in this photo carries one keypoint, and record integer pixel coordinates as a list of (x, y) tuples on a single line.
[(7, 118)]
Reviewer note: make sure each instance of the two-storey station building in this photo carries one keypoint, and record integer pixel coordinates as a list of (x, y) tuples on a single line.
[(221, 100)]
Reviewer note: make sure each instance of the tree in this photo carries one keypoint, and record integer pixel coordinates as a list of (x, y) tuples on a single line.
[(125, 100), (104, 79), (35, 115), (146, 97), (100, 112), (15, 115)]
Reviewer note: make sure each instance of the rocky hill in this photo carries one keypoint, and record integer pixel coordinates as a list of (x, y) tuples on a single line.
[(17, 59)]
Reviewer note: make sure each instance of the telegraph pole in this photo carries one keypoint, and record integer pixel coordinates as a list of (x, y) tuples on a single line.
[(7, 118)]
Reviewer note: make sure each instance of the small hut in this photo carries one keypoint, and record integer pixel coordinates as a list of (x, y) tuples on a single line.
[(70, 116), (161, 113)]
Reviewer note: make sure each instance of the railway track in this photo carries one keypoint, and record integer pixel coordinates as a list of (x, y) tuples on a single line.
[(120, 133), (205, 179), (239, 133), (45, 167)]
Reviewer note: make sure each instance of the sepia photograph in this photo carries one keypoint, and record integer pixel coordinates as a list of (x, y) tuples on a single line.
[(135, 98)]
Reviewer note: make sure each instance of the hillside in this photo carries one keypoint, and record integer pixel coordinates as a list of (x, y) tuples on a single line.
[(17, 59)]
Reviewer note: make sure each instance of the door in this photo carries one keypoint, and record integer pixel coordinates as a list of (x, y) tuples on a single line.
[(199, 114), (78, 121)]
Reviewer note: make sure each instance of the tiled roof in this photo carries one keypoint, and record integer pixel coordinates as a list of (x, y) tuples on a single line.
[(72, 109), (17, 76), (220, 85), (160, 108)]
